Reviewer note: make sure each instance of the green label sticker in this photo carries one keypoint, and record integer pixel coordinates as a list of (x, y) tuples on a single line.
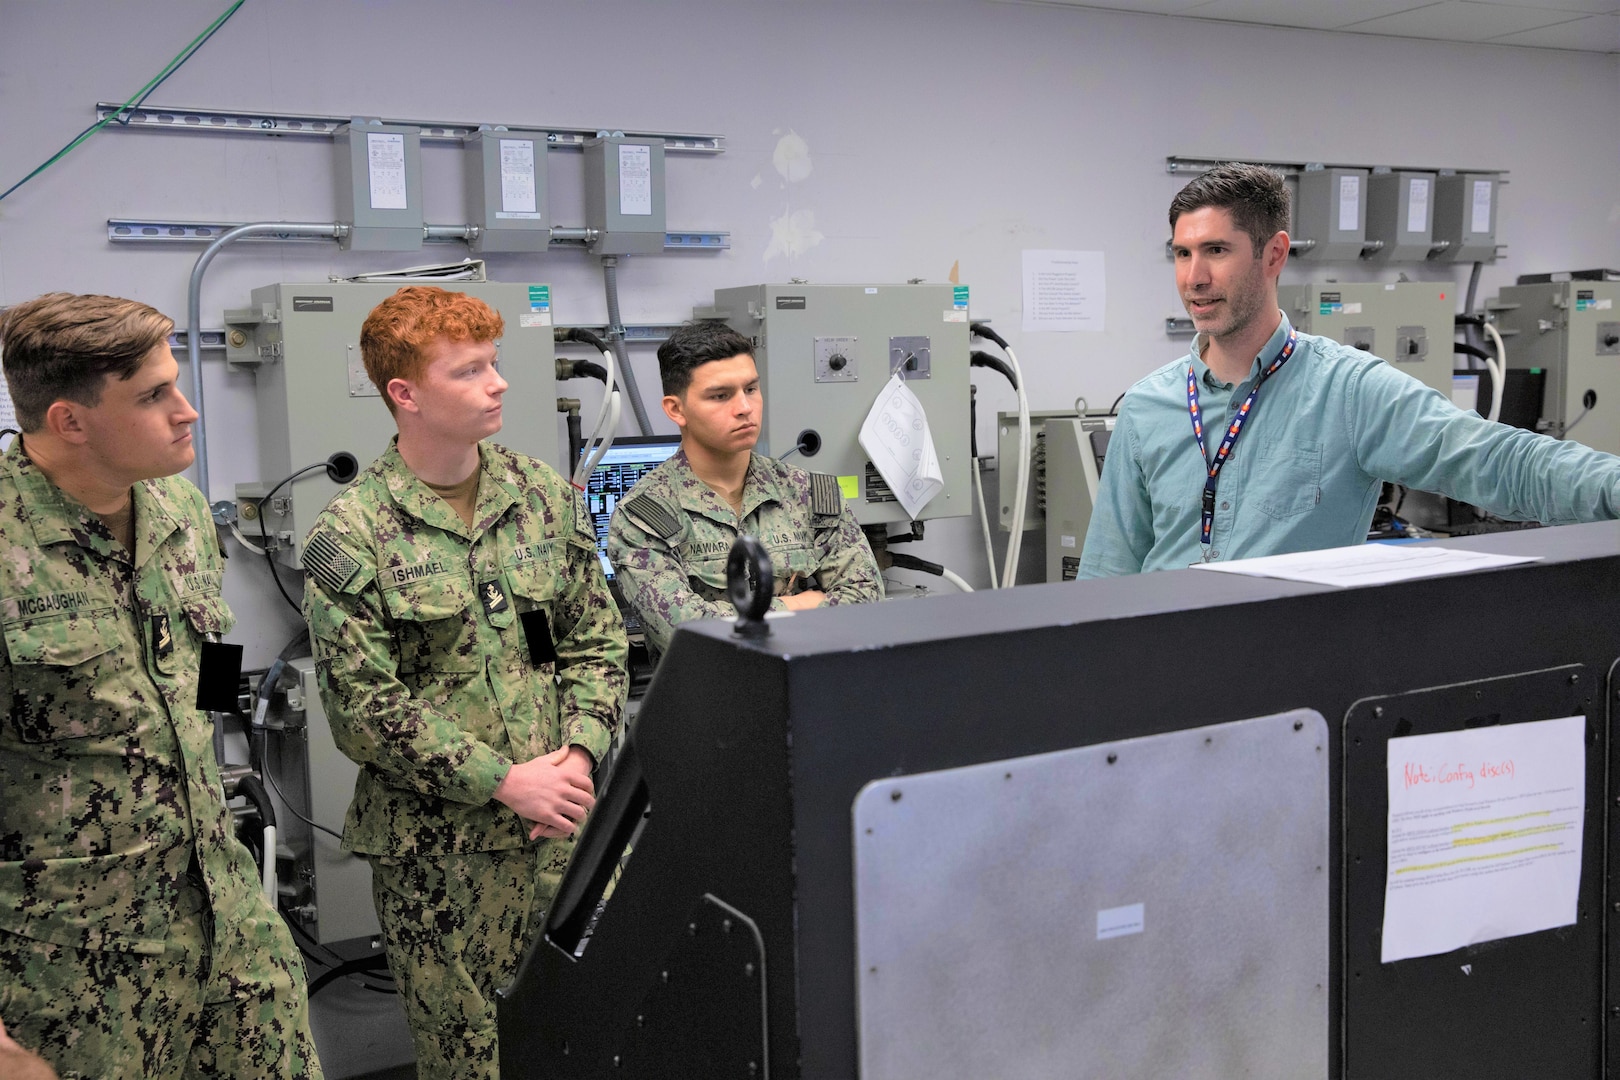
[(539, 297), (850, 486), (960, 296)]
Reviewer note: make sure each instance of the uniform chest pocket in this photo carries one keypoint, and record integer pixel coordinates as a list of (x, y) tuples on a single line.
[(708, 578), (68, 681), (1289, 478), (433, 625), (796, 564), (534, 581)]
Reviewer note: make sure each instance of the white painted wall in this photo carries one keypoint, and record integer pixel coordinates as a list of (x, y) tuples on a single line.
[(939, 131)]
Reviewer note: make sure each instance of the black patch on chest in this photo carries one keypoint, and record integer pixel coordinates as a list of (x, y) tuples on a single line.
[(493, 597), (537, 632), (219, 676)]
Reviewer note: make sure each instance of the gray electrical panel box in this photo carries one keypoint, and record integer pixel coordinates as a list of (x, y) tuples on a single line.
[(1465, 217), (1400, 215), (506, 191), (1076, 448), (379, 185), (1409, 323), (1332, 212), (302, 342), (315, 777), (624, 194), (1570, 330), (825, 352)]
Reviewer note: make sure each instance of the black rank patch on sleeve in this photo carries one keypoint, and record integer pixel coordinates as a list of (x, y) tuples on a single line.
[(162, 637), (219, 676), (328, 562), (493, 597), (537, 632)]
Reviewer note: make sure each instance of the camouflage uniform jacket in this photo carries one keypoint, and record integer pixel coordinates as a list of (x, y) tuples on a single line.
[(108, 783), (445, 653), (670, 536)]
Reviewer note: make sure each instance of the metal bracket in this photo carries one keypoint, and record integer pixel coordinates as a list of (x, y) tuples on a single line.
[(145, 231), (258, 122)]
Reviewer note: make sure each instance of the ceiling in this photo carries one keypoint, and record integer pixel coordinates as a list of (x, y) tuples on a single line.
[(1585, 25)]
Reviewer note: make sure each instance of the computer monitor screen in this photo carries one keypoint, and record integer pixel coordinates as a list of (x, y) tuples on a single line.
[(627, 461)]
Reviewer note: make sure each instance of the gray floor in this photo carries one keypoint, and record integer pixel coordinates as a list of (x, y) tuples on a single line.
[(360, 1033)]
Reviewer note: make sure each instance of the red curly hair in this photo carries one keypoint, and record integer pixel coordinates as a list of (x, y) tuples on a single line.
[(396, 334)]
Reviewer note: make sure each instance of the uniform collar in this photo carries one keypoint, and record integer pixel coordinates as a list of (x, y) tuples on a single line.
[(1267, 352), (495, 494), (759, 488), (56, 517)]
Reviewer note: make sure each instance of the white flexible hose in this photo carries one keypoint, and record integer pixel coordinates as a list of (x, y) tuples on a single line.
[(582, 475), (984, 522), (1498, 372), (1015, 539), (594, 458), (236, 532), (268, 871), (955, 579)]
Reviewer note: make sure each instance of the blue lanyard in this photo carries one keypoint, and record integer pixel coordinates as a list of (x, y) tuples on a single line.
[(1232, 432)]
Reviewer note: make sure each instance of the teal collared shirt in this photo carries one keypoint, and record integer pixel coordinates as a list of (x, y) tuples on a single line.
[(1328, 429)]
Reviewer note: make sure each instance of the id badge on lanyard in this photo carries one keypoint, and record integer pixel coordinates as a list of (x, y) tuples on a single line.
[(1233, 430)]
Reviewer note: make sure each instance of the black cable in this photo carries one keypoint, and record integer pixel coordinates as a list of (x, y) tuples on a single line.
[(264, 534), (260, 734), (590, 369), (8, 431), (584, 336), (366, 965), (983, 330), (978, 358), (1113, 410), (911, 562), (1472, 350), (326, 958)]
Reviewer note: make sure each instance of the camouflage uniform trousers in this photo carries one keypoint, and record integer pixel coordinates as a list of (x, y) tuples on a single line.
[(225, 1004), (455, 928)]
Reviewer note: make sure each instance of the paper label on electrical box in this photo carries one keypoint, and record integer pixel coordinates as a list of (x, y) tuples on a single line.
[(850, 486), (1120, 921), (1351, 309), (385, 168), (1417, 209), (539, 297), (1481, 222), (959, 296), (635, 179), (1067, 541), (956, 315), (517, 177), (1349, 203), (539, 318)]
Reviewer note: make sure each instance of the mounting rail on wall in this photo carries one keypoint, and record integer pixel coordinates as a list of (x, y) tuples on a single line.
[(145, 231), (256, 122), (1183, 165)]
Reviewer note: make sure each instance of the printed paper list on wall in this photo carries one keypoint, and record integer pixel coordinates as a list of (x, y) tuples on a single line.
[(385, 160), (1064, 291), (1484, 835)]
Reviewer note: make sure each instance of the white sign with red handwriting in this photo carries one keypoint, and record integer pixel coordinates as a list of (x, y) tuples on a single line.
[(1484, 834)]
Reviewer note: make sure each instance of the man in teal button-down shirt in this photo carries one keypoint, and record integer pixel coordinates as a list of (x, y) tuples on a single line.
[(1324, 432)]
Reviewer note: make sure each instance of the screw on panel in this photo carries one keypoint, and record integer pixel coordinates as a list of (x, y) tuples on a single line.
[(664, 975), (691, 929), (641, 1021), (1573, 679), (725, 924), (615, 1061), (1378, 711), (1299, 725), (1112, 758), (894, 796), (753, 1068), (748, 969)]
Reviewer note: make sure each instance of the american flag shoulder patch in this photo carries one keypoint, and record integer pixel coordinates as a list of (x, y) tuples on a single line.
[(329, 562)]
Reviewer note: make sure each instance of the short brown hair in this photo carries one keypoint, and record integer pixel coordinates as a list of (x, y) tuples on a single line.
[(398, 329), (61, 346), (1254, 195)]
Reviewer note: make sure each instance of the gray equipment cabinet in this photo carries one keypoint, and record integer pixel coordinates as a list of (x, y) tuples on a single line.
[(1408, 323), (824, 353), (1570, 330), (302, 342)]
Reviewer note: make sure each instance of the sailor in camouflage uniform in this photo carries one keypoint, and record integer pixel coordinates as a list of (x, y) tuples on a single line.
[(471, 662), (668, 540), (134, 937)]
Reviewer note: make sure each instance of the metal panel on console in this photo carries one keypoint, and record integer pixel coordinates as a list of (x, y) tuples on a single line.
[(1520, 1006), (1101, 912)]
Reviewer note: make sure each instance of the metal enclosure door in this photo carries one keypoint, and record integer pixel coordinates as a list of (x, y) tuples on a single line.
[(825, 351)]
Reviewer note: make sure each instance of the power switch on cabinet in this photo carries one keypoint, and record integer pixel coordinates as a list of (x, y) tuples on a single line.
[(1608, 339), (836, 360), (911, 357), (1411, 344)]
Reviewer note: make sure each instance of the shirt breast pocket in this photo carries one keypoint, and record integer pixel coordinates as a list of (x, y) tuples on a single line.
[(433, 626), (65, 678), (1288, 476)]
